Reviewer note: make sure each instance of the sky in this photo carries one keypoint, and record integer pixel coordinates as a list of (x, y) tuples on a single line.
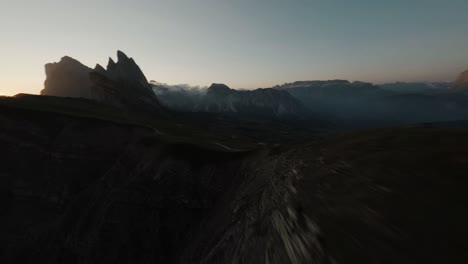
[(242, 43)]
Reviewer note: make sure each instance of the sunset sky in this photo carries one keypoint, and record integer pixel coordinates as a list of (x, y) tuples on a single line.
[(243, 43)]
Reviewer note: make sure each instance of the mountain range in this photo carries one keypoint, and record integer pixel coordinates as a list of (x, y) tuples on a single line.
[(219, 98), (414, 87), (123, 84), (358, 103), (104, 167)]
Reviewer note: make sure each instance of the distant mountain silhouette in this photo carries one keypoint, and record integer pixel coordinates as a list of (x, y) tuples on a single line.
[(397, 103), (219, 98), (336, 97), (122, 84), (414, 87), (359, 103)]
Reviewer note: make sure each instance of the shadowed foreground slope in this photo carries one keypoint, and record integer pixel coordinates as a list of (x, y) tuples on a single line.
[(76, 189)]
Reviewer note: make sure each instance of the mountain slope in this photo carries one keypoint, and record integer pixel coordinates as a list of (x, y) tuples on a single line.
[(380, 196)]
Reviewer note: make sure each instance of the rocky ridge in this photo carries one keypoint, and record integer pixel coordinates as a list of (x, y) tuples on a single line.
[(121, 84)]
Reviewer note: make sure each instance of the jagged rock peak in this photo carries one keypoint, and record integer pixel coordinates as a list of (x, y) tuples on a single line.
[(126, 69), (122, 84), (122, 56), (99, 69), (110, 63)]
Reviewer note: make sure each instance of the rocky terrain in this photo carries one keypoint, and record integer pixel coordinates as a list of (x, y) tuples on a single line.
[(121, 84), (352, 104), (105, 174), (219, 98), (73, 194)]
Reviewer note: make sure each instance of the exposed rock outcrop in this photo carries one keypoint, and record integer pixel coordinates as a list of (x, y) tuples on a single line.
[(68, 78), (122, 84)]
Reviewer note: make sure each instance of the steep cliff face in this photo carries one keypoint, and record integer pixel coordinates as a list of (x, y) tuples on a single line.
[(68, 78), (126, 70), (122, 84)]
